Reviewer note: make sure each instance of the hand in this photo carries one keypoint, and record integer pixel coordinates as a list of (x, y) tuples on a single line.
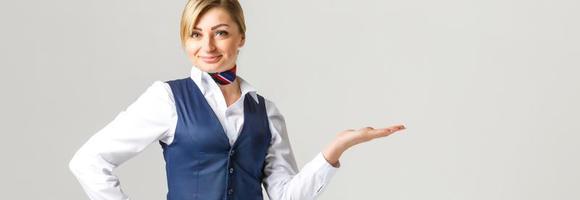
[(351, 137)]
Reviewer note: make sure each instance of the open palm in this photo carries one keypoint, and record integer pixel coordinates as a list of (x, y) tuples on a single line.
[(353, 137), (348, 138)]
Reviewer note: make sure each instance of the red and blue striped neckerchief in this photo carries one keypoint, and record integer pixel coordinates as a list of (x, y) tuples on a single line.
[(225, 77)]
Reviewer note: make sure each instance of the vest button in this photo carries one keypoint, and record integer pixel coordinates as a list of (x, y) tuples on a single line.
[(231, 170), (230, 191)]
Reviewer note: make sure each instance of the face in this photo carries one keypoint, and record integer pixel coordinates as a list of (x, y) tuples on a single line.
[(213, 45)]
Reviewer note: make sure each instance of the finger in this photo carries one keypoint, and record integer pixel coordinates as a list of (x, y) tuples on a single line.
[(398, 127), (385, 131), (381, 132), (368, 128)]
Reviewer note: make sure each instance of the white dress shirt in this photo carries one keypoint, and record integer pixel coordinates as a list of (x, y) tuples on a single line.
[(153, 117)]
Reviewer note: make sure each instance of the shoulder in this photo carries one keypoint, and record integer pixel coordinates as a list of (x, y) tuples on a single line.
[(157, 92), (177, 80), (276, 120), (272, 109), (164, 88), (161, 88)]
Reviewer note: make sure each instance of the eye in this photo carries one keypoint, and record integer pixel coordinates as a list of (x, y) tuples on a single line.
[(195, 35), (222, 33)]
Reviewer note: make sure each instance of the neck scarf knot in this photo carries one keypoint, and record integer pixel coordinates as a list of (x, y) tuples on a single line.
[(225, 77)]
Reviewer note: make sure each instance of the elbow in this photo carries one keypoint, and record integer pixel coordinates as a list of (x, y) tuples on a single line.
[(75, 165), (84, 164)]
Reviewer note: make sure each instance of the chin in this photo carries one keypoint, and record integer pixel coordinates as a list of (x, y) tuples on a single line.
[(206, 67), (212, 67)]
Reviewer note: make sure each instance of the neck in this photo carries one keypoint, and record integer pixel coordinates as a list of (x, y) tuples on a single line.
[(231, 92)]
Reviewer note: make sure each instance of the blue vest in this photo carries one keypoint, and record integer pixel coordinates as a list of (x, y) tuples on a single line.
[(200, 162)]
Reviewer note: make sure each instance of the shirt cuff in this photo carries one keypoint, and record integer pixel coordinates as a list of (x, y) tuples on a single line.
[(335, 165), (323, 164)]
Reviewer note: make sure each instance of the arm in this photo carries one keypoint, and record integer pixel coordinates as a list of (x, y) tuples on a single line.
[(148, 119), (350, 138), (282, 179)]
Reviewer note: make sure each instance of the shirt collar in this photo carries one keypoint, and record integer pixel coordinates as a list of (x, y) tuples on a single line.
[(207, 85)]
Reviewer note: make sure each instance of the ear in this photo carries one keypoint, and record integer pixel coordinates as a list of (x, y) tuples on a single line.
[(242, 42)]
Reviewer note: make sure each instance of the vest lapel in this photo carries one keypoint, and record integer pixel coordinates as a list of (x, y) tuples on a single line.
[(209, 115)]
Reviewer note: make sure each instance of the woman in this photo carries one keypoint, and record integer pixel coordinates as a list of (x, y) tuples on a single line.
[(220, 139)]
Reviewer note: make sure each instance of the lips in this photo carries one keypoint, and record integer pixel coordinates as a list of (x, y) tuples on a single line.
[(210, 59)]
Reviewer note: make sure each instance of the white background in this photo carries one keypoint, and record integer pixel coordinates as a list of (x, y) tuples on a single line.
[(488, 90)]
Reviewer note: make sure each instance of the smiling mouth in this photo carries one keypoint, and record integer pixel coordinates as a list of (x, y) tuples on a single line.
[(210, 59)]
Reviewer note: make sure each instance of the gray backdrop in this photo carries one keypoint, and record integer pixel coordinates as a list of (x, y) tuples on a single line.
[(489, 91)]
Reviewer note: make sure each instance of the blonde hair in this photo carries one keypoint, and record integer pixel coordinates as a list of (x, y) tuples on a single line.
[(195, 8)]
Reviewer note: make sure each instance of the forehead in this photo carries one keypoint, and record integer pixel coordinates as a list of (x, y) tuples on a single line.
[(214, 16)]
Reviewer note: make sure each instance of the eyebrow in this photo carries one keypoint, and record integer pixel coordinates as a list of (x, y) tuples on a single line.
[(212, 28)]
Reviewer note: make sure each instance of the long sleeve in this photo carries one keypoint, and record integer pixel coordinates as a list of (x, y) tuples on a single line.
[(145, 121), (282, 179)]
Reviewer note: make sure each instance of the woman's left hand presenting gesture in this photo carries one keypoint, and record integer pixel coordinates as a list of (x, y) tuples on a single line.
[(349, 138)]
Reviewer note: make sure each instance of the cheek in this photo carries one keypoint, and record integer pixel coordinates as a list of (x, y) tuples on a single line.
[(229, 47), (191, 51)]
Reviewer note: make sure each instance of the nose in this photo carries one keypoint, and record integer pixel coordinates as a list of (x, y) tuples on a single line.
[(208, 44)]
